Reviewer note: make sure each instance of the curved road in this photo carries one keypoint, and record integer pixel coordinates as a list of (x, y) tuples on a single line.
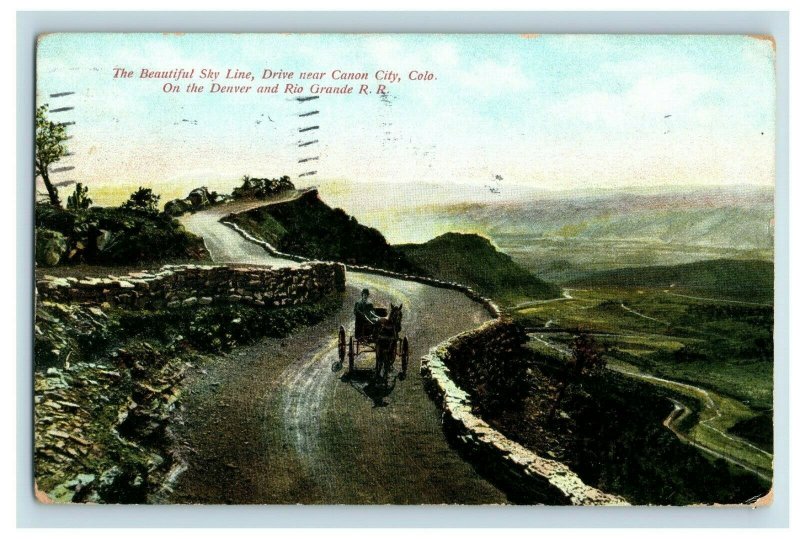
[(278, 422)]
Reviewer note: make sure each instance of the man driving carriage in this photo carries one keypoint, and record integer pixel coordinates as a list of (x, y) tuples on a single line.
[(376, 329), (365, 308), (365, 314)]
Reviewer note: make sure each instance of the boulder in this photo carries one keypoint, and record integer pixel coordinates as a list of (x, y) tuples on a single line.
[(177, 207)]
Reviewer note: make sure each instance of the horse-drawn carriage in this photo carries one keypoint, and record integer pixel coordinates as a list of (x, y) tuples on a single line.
[(381, 337)]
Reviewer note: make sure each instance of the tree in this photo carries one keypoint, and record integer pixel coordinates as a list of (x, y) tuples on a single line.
[(50, 138), (587, 355), (79, 199), (143, 199), (587, 358), (285, 183)]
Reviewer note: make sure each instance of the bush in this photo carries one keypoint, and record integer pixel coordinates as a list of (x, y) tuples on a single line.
[(262, 187), (218, 328), (177, 207), (50, 247), (116, 236), (492, 366), (144, 200), (79, 199), (213, 329)]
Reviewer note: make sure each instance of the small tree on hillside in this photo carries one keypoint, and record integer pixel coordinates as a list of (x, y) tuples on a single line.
[(50, 138), (285, 183), (587, 358), (143, 199), (79, 199)]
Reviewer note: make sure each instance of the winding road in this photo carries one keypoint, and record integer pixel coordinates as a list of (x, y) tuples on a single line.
[(681, 410), (279, 422)]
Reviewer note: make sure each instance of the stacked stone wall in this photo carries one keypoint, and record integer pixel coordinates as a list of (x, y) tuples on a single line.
[(200, 285)]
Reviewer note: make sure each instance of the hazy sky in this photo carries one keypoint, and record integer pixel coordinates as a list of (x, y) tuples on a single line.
[(550, 111)]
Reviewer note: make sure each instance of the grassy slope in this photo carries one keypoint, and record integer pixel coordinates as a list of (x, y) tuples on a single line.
[(722, 347), (743, 280), (472, 260)]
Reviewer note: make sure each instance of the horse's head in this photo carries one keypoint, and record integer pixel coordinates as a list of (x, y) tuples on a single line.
[(396, 315)]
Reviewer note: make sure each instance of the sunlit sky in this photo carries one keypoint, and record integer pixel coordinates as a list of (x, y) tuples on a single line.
[(551, 111)]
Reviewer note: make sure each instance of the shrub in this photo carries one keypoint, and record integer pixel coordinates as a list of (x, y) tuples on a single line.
[(143, 199), (113, 236), (50, 247), (79, 199), (492, 366), (262, 187)]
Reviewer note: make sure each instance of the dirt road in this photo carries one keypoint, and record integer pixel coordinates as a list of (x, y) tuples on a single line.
[(279, 422)]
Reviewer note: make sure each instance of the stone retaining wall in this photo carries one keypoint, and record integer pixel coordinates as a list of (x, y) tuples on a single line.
[(521, 472), (200, 285)]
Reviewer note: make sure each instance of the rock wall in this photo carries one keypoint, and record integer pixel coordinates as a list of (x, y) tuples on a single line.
[(200, 285), (526, 476)]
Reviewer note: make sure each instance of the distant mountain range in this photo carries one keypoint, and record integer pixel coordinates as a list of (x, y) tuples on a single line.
[(720, 217), (716, 218)]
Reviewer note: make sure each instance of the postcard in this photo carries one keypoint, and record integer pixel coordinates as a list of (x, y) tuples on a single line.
[(404, 269)]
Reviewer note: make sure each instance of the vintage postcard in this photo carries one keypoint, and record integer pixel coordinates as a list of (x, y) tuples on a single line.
[(404, 269)]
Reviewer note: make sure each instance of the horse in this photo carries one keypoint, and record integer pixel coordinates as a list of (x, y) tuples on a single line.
[(386, 331)]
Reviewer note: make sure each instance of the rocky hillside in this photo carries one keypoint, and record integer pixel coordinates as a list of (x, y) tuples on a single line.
[(108, 374), (112, 236), (308, 227)]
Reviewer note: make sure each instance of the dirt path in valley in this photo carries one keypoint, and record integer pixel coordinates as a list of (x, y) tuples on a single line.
[(681, 410)]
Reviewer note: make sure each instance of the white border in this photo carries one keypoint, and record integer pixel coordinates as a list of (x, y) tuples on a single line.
[(31, 514)]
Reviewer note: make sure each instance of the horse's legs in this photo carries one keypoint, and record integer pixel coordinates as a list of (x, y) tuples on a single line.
[(388, 358), (378, 354)]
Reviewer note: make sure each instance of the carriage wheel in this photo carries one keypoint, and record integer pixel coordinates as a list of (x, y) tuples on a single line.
[(342, 344), (404, 354), (351, 356)]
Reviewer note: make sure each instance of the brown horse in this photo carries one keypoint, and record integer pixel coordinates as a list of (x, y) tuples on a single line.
[(386, 331)]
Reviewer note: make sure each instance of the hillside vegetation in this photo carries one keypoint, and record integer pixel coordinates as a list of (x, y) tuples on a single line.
[(308, 227), (741, 280), (472, 260), (111, 236)]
